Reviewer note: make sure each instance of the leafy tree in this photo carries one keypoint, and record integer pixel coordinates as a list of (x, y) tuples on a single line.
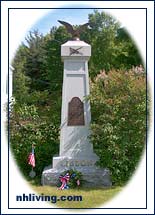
[(21, 81), (53, 64), (103, 33), (128, 54), (112, 47), (35, 66), (27, 128), (118, 104)]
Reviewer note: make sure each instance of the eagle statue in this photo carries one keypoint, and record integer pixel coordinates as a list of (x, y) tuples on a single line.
[(75, 33)]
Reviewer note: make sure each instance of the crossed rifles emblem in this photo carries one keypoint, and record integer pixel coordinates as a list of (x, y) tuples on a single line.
[(75, 51)]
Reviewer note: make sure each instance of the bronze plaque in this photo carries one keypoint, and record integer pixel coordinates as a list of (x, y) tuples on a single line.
[(75, 112)]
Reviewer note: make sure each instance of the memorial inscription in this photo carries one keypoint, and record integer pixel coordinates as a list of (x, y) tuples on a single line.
[(75, 112), (76, 163)]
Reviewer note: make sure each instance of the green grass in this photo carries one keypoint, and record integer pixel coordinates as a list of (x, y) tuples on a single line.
[(91, 197)]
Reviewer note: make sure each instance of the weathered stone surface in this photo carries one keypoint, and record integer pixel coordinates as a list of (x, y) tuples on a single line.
[(93, 176)]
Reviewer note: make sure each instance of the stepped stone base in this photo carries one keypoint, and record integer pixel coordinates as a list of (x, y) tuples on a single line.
[(93, 176)]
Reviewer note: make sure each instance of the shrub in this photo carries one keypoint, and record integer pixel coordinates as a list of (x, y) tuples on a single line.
[(118, 106), (27, 128)]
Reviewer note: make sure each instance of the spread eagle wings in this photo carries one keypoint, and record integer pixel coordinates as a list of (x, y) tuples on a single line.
[(82, 28), (70, 29), (68, 26)]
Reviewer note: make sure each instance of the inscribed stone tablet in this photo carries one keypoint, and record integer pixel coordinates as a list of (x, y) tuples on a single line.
[(75, 112)]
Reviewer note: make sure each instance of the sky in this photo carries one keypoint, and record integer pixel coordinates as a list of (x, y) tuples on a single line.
[(73, 16), (21, 21)]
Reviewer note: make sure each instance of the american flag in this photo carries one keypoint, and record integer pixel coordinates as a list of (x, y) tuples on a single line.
[(31, 159), (67, 177), (64, 179)]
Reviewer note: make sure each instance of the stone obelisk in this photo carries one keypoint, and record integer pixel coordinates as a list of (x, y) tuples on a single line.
[(76, 151)]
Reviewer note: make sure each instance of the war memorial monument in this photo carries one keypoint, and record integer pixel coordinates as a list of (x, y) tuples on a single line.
[(76, 150)]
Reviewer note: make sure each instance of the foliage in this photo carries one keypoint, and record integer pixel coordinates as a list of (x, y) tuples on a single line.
[(127, 53), (112, 47), (28, 128), (35, 65), (118, 105), (21, 81), (103, 33)]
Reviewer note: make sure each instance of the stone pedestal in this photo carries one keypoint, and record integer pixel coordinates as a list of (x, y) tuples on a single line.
[(76, 151)]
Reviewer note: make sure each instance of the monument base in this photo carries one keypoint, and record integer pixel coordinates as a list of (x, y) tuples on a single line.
[(93, 176)]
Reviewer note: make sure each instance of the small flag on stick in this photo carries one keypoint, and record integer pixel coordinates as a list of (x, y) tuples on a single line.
[(31, 158)]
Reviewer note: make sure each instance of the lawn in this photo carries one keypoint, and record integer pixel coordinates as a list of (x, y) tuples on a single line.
[(91, 197)]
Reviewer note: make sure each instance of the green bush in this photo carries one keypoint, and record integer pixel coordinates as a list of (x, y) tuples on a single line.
[(118, 106), (27, 128)]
